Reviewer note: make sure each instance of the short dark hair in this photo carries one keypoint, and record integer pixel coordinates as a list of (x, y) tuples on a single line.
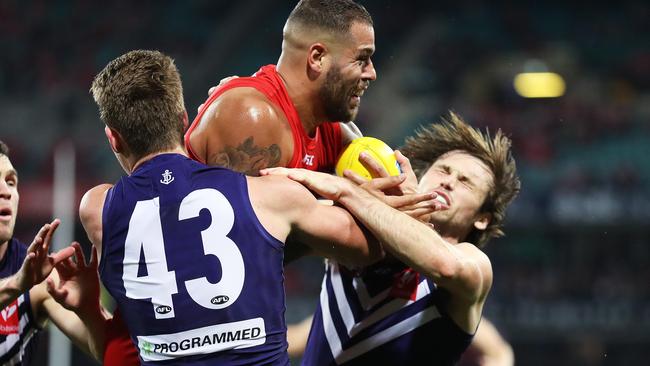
[(332, 16), (140, 95), (4, 149), (451, 134)]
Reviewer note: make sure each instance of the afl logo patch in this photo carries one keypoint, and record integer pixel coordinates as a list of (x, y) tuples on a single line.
[(219, 299), (163, 309)]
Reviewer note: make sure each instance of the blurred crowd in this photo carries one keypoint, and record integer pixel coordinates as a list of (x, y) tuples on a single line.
[(574, 261)]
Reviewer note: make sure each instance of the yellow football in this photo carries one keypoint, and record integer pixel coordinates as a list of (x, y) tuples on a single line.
[(378, 149)]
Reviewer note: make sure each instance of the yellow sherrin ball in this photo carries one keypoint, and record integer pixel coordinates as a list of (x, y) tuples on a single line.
[(378, 149)]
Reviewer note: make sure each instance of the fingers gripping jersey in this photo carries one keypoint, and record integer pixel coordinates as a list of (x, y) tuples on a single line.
[(318, 153), (197, 278)]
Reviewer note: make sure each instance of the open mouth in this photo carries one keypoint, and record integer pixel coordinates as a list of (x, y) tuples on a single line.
[(5, 213), (355, 100), (443, 198), (358, 93)]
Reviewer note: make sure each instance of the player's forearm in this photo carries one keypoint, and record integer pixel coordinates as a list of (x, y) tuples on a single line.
[(500, 354), (506, 357), (96, 326), (94, 321), (408, 239), (9, 290), (88, 334), (85, 329), (495, 350)]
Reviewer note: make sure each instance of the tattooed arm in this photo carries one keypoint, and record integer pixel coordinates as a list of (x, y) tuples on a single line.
[(242, 130)]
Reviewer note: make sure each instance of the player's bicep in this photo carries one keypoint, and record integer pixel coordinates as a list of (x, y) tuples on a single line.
[(245, 135), (247, 155)]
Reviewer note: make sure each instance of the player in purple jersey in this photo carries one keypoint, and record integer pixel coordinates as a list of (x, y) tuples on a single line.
[(193, 254), (423, 304), (24, 299)]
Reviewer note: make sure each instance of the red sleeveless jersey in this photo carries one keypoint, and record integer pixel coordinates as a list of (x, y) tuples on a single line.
[(119, 349), (314, 153)]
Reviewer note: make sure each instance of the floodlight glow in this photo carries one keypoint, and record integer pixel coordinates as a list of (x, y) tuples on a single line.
[(539, 85)]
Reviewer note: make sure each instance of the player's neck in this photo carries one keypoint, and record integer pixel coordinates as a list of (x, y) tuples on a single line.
[(451, 239), (450, 236), (136, 163), (302, 94)]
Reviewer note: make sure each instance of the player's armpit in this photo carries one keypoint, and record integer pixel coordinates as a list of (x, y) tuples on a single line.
[(294, 251)]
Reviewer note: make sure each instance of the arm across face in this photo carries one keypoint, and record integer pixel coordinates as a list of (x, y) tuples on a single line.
[(291, 213), (462, 269)]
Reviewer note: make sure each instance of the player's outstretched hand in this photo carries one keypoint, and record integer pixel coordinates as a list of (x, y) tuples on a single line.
[(78, 285), (38, 263)]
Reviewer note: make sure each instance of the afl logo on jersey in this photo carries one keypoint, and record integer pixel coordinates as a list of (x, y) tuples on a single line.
[(220, 299), (163, 309)]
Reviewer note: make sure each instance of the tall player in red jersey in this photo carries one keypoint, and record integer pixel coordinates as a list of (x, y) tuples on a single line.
[(294, 114)]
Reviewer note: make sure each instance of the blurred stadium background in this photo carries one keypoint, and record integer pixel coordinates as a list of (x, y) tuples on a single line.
[(572, 276)]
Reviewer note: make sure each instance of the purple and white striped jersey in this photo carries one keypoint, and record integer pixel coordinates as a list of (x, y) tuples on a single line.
[(360, 322)]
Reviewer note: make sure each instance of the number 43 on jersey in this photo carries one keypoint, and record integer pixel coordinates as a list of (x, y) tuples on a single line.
[(145, 234)]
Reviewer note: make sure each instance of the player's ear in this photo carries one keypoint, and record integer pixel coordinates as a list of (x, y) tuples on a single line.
[(316, 59), (482, 221), (114, 139), (186, 121)]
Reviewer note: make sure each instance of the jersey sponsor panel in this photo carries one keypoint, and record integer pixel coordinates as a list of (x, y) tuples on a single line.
[(214, 338)]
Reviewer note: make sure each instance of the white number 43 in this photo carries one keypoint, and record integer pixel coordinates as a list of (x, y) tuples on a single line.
[(159, 284)]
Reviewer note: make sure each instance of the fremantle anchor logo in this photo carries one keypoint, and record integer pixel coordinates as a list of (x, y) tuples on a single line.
[(167, 177)]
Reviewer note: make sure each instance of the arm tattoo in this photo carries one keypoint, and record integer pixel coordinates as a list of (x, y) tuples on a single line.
[(247, 157)]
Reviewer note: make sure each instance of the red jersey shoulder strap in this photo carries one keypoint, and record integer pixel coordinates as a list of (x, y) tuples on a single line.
[(262, 80)]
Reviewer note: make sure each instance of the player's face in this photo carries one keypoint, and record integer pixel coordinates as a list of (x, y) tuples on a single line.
[(463, 182), (350, 74), (8, 198)]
